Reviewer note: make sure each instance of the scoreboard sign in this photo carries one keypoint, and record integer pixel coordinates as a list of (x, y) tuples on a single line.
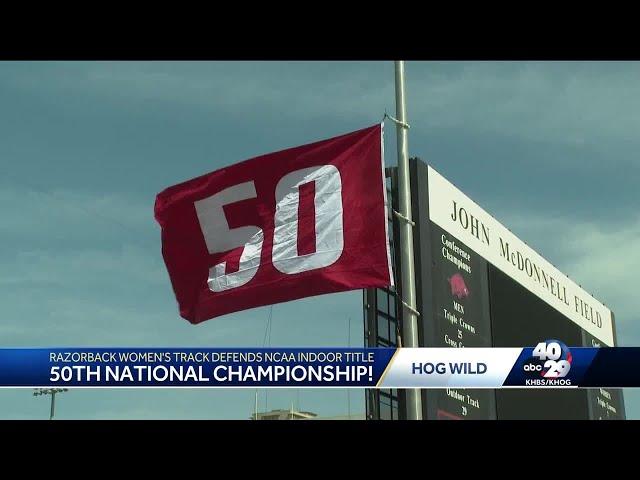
[(456, 213), (453, 292), (603, 403), (478, 285)]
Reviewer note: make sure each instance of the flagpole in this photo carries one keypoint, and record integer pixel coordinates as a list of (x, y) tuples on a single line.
[(255, 409), (408, 290)]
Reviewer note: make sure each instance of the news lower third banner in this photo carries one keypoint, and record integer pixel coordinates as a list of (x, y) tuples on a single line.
[(548, 364)]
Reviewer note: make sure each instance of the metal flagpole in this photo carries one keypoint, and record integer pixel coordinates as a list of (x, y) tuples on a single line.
[(52, 392), (255, 409), (53, 404), (410, 320)]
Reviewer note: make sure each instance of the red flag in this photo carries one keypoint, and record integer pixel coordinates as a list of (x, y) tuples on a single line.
[(305, 221)]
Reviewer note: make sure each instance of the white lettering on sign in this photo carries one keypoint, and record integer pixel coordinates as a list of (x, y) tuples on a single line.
[(327, 223), (329, 235), (219, 237)]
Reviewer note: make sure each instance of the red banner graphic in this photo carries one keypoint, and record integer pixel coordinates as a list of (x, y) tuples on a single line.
[(305, 221)]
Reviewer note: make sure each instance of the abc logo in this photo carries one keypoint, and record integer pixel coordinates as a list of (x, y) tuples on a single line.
[(532, 367), (550, 359)]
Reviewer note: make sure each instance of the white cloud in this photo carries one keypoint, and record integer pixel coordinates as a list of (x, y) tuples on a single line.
[(301, 88), (132, 264), (27, 212), (569, 102), (566, 103)]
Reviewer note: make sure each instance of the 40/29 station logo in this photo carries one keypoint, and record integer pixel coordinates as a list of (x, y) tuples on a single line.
[(549, 365)]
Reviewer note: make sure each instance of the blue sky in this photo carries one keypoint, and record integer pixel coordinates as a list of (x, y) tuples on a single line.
[(550, 149)]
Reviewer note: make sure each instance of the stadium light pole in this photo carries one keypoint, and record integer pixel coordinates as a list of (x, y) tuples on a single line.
[(410, 320), (52, 392)]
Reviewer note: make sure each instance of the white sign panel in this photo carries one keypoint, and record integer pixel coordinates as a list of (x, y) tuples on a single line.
[(449, 367), (456, 213)]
